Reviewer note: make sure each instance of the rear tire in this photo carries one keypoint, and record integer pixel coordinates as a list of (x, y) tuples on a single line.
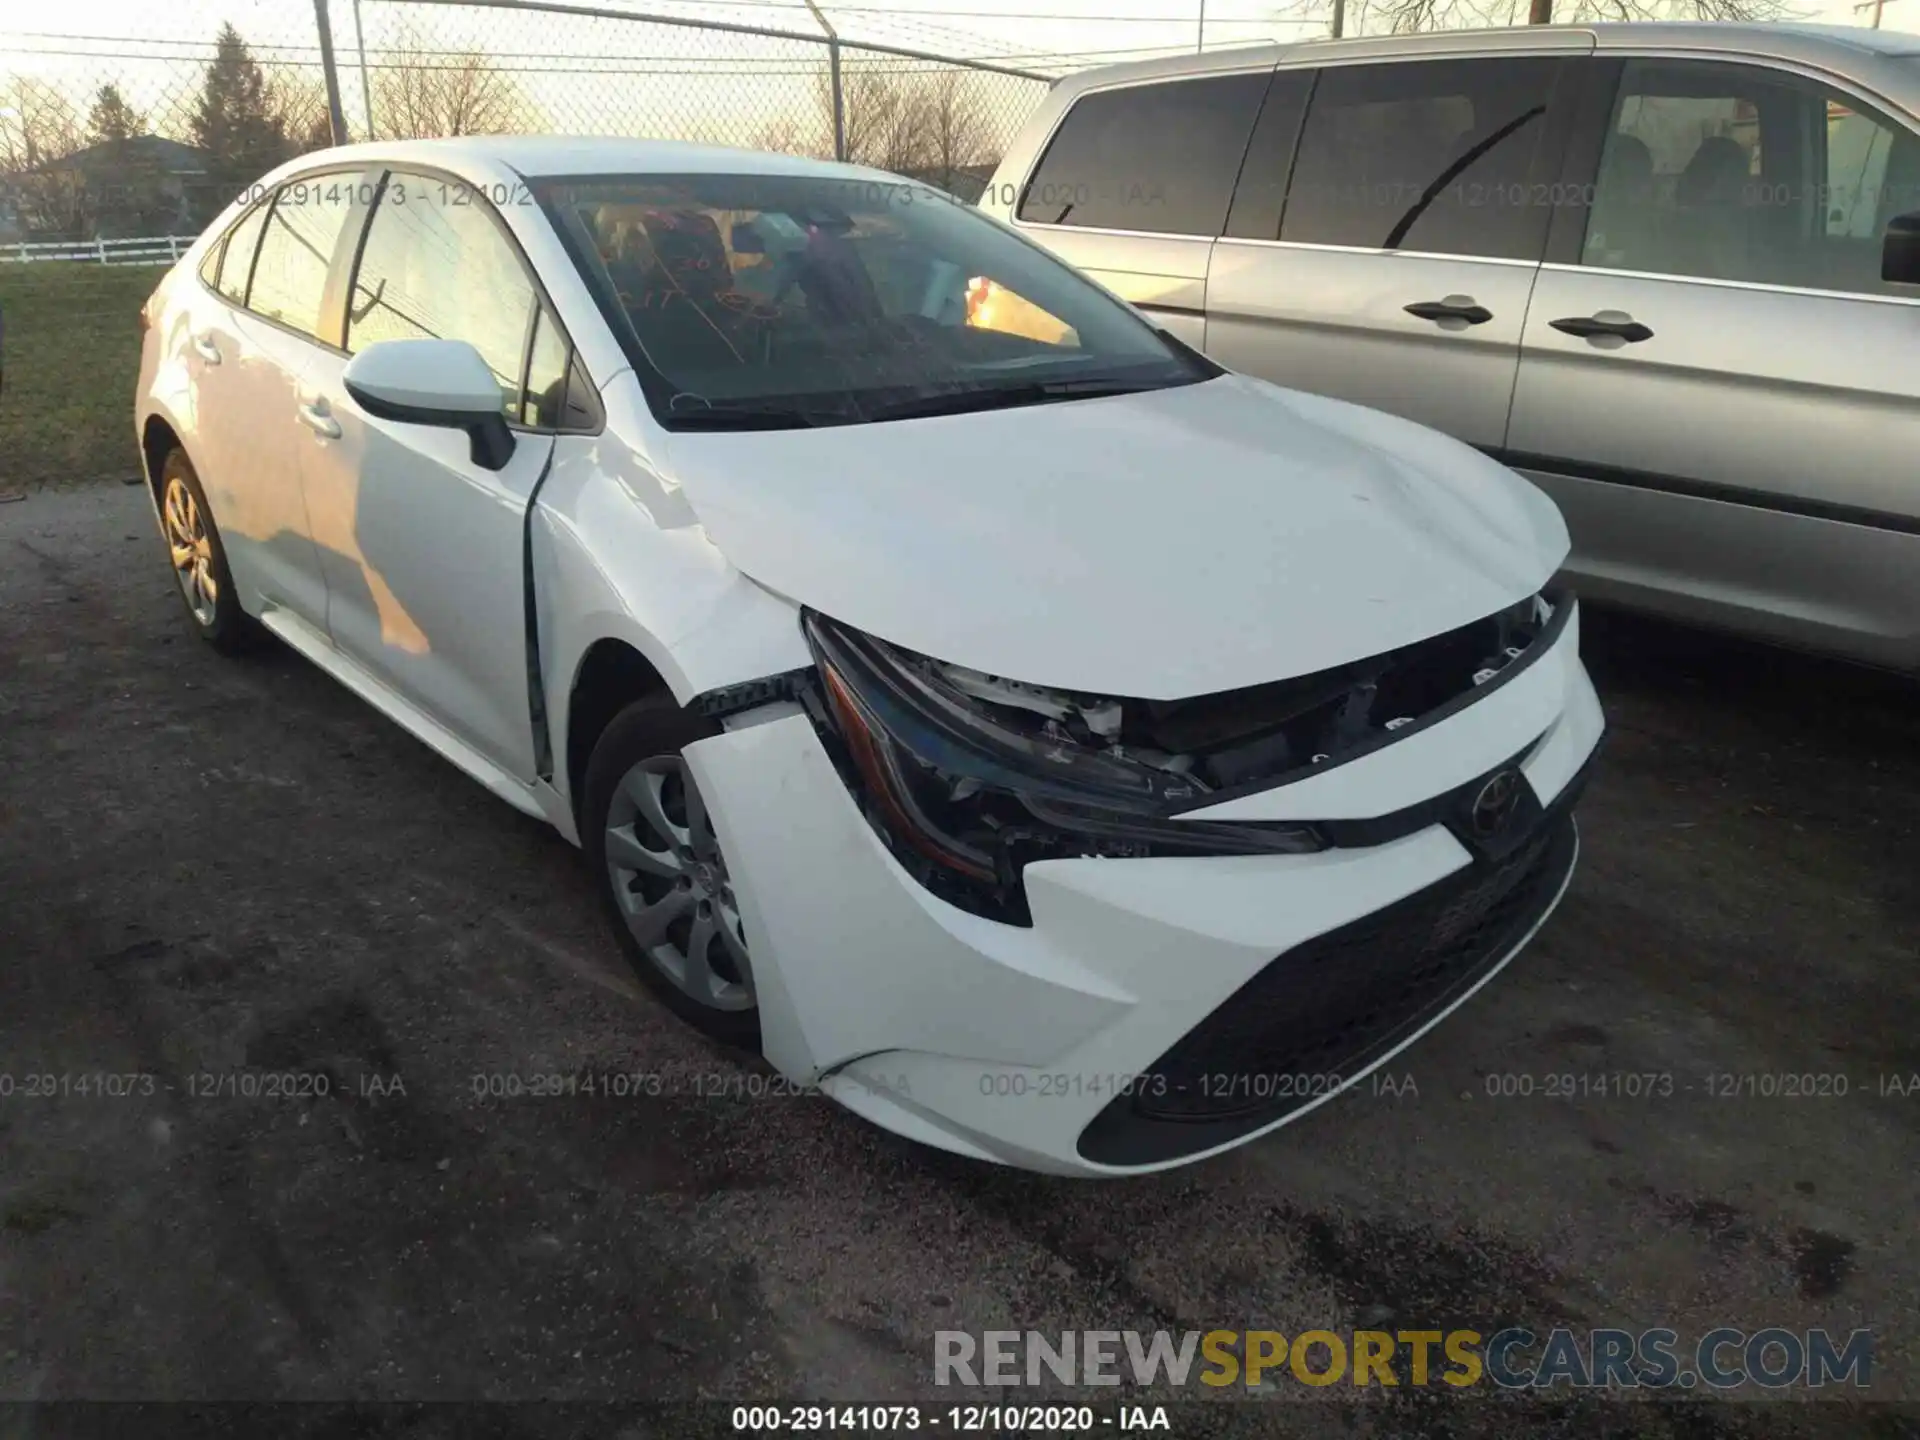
[(199, 560), (662, 878)]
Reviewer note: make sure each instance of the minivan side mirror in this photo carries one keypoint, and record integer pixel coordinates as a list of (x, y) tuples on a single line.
[(1900, 252), (433, 382)]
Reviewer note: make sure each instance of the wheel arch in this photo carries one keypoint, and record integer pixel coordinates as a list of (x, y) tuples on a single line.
[(159, 437), (610, 674)]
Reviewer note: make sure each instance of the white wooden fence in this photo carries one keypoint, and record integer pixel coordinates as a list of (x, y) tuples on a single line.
[(147, 250)]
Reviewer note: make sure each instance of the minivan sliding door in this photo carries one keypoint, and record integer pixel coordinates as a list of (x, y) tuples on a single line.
[(1717, 382)]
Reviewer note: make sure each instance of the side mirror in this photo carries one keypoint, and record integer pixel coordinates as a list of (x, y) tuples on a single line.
[(1900, 252), (433, 382)]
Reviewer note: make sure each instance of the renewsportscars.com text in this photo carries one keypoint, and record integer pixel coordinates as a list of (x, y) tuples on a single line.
[(1513, 1358)]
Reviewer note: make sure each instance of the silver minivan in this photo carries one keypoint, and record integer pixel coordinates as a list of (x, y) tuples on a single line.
[(1671, 272)]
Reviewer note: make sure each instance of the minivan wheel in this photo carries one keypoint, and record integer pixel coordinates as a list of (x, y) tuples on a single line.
[(662, 876), (199, 560)]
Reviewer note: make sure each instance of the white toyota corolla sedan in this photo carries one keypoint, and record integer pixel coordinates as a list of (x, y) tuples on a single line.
[(1053, 747)]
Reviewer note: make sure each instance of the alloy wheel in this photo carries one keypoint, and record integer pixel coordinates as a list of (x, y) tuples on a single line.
[(191, 550), (671, 883)]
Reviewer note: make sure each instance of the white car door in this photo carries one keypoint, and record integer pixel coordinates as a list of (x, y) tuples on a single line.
[(423, 548), (249, 339)]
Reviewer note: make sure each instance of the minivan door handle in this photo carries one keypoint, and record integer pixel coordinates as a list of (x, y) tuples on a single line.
[(206, 349), (1454, 307), (1615, 323)]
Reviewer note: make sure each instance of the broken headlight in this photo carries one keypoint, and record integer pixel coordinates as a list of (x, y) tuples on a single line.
[(967, 792)]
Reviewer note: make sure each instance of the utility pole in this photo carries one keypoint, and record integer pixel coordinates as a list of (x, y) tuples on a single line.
[(1876, 6), (833, 71), (360, 42), (1339, 18), (1200, 42), (336, 122)]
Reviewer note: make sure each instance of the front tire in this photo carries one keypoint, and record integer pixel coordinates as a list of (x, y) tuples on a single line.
[(199, 560), (662, 878)]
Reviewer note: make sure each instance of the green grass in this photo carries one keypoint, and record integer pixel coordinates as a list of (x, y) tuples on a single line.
[(72, 359)]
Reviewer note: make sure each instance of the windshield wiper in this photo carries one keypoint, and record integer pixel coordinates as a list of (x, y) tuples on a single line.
[(1002, 397)]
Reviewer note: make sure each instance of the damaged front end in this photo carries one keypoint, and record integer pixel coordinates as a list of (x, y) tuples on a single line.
[(970, 777)]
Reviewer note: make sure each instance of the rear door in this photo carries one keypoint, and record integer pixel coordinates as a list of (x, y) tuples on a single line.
[(1716, 385), (253, 336), (1397, 273), (424, 549), (1134, 185)]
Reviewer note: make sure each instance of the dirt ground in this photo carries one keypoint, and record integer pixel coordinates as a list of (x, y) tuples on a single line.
[(211, 869)]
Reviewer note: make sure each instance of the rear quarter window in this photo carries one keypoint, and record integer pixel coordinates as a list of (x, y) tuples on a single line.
[(235, 256), (1158, 158)]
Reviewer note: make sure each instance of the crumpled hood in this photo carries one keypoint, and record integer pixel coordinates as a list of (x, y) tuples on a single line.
[(1159, 546)]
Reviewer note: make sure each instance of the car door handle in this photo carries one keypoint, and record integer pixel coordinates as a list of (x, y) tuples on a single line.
[(206, 349), (316, 419), (1454, 307), (1608, 322)]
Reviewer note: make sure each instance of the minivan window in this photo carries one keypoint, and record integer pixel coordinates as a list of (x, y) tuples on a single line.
[(1258, 198), (236, 260), (764, 300), (296, 251), (1434, 156), (435, 266), (1159, 158), (1734, 172)]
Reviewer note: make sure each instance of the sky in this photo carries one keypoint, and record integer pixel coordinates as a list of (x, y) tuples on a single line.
[(156, 49)]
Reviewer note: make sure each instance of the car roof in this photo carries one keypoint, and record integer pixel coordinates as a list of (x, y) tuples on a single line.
[(543, 156), (1830, 47)]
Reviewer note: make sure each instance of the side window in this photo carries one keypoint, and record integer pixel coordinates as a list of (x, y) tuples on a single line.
[(296, 251), (1734, 172), (435, 266), (236, 259), (1426, 155), (210, 262), (1159, 158), (1258, 198), (583, 410), (546, 376), (1858, 149)]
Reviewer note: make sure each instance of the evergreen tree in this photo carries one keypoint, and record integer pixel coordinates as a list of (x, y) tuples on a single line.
[(236, 120), (129, 192), (111, 118)]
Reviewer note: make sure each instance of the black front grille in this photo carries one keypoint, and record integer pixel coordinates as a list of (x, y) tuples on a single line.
[(1327, 1009)]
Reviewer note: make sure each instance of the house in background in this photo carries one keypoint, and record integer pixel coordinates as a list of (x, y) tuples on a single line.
[(144, 185)]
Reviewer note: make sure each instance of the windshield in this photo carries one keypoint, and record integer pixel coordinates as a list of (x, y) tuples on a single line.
[(759, 301)]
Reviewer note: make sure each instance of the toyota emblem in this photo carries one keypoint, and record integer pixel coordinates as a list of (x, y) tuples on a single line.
[(1493, 807)]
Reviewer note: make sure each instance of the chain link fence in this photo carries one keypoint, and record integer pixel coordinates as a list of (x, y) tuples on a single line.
[(150, 133)]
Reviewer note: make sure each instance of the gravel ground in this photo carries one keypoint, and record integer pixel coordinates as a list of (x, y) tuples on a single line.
[(212, 867)]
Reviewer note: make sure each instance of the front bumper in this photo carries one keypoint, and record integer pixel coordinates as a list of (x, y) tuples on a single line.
[(1092, 1043)]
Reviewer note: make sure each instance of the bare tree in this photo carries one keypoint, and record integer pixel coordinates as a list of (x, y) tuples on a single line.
[(1403, 17), (39, 131), (930, 125), (419, 93), (37, 124), (790, 135), (958, 135), (297, 101)]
